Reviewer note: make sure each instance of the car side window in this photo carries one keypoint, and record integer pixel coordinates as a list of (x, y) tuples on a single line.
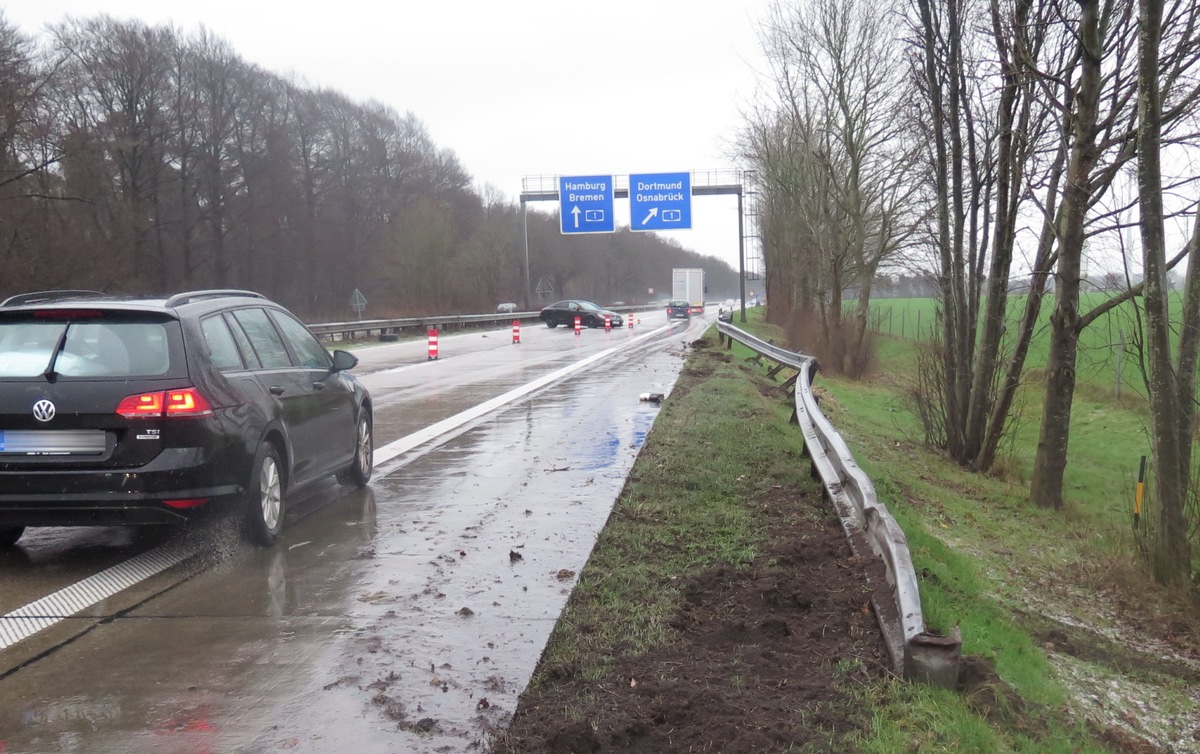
[(264, 338), (243, 343), (221, 345), (308, 349)]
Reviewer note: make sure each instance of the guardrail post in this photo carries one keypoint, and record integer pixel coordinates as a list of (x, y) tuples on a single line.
[(933, 659)]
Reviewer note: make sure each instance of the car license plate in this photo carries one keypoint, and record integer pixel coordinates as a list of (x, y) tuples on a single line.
[(63, 442)]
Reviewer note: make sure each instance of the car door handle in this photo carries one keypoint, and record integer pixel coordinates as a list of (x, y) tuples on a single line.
[(318, 386), (276, 389)]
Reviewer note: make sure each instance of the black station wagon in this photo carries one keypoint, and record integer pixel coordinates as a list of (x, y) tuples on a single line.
[(117, 410)]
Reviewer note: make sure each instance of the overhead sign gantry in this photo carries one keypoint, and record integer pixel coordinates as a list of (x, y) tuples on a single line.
[(657, 201)]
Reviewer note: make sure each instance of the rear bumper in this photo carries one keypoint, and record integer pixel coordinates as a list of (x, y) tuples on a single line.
[(94, 497)]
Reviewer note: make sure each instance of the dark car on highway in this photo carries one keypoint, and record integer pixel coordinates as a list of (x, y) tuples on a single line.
[(119, 410), (590, 315), (679, 309)]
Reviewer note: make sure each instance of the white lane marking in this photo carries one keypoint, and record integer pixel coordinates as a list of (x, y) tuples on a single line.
[(416, 439), (54, 608)]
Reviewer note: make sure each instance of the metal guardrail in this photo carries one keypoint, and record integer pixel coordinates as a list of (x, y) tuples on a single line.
[(916, 654), (395, 327)]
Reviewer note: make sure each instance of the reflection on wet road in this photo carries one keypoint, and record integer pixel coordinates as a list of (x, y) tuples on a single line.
[(406, 617)]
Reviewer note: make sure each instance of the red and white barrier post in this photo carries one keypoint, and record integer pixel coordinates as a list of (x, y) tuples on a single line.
[(516, 331), (630, 320), (578, 324), (433, 346), (607, 323)]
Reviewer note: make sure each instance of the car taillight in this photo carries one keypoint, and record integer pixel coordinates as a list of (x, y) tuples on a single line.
[(189, 502), (187, 402), (182, 402)]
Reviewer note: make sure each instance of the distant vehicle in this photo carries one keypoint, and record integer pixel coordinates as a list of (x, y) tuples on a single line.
[(119, 411), (590, 315), (506, 308), (687, 284), (678, 309), (725, 311)]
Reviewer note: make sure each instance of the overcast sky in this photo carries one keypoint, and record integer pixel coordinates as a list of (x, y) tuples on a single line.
[(515, 89)]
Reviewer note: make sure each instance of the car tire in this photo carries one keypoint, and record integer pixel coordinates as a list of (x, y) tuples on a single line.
[(10, 534), (551, 324), (263, 505), (359, 471)]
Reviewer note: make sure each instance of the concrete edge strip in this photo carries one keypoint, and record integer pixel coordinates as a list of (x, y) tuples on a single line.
[(54, 608)]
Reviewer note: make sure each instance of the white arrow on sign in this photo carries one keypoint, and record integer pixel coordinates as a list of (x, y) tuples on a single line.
[(575, 212), (650, 215)]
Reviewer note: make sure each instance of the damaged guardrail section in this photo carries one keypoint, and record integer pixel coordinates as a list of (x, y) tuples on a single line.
[(916, 653)]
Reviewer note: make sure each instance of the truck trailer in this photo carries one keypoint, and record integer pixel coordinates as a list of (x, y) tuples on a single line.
[(687, 284)]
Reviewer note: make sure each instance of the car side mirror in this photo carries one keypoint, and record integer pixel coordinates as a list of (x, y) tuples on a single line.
[(343, 360)]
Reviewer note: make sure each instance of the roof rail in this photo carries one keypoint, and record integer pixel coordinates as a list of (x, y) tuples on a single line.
[(41, 297), (190, 296)]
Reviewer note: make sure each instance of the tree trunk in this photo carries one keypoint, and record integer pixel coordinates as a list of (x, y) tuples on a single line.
[(1172, 554), (1051, 461)]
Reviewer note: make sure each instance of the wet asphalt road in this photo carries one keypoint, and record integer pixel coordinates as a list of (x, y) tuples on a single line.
[(406, 617)]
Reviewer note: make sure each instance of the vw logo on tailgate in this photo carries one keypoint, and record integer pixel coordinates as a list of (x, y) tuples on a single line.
[(43, 410)]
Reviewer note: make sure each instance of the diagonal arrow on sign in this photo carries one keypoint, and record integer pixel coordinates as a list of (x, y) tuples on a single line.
[(650, 215)]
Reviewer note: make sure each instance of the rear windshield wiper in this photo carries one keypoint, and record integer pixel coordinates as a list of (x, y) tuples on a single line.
[(50, 374)]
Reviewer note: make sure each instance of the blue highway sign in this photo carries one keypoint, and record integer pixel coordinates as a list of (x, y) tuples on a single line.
[(660, 201), (585, 204)]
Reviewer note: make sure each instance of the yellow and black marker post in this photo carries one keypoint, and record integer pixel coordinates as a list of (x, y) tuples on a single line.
[(1141, 488)]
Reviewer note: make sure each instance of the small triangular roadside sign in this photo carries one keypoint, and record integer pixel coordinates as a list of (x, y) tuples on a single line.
[(358, 300)]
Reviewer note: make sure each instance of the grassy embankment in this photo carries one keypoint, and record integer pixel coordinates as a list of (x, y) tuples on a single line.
[(1042, 597)]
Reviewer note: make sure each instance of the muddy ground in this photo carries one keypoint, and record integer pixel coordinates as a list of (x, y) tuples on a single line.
[(765, 658)]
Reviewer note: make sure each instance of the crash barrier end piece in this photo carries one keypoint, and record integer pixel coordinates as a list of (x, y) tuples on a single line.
[(934, 659)]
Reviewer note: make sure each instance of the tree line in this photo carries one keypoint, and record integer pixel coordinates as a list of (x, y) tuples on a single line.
[(988, 141), (140, 158)]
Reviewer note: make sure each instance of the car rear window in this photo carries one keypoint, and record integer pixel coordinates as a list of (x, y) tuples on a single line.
[(91, 348)]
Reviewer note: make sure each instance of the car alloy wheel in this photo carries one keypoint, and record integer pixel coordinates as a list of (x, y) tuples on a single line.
[(364, 452), (264, 497)]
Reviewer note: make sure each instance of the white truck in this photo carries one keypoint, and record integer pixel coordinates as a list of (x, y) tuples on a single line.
[(687, 284)]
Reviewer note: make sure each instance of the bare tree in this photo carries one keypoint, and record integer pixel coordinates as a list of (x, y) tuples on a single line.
[(1172, 386), (835, 163)]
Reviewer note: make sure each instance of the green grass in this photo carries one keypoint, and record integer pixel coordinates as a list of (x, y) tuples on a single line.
[(1100, 344), (682, 510)]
